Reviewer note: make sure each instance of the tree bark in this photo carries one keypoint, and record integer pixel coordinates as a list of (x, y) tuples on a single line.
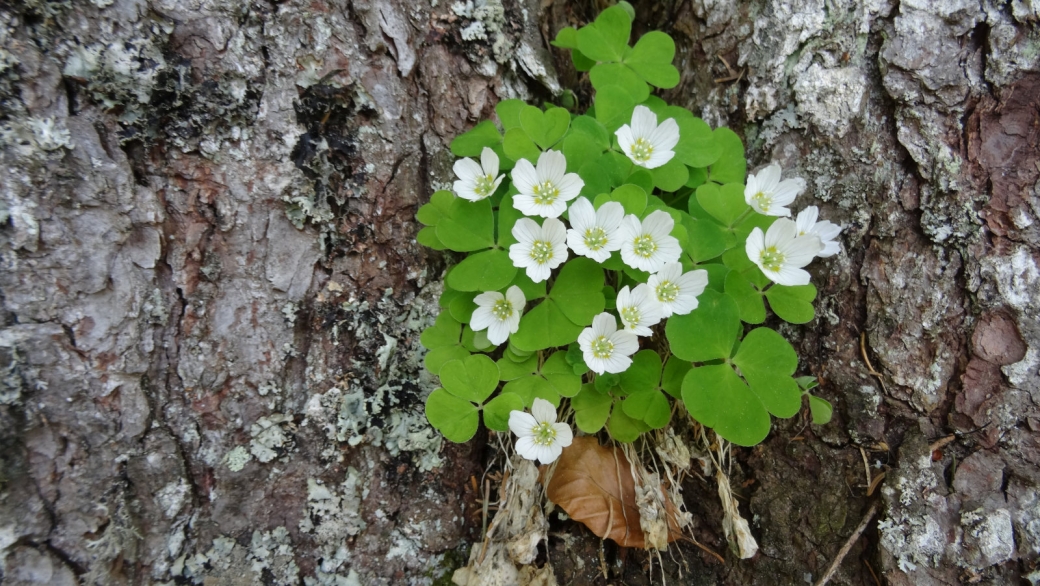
[(212, 295)]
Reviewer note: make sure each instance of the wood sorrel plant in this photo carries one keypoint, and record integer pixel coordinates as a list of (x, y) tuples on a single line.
[(619, 260)]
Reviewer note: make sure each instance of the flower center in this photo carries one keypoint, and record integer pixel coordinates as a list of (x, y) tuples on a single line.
[(602, 347), (765, 201), (544, 434), (485, 186), (771, 259), (541, 251), (630, 315), (502, 310), (644, 246), (642, 150), (667, 291), (595, 238), (545, 193)]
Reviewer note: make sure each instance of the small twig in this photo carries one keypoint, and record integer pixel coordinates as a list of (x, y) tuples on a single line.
[(848, 544), (863, 351), (705, 549), (872, 574), (866, 465), (487, 497), (874, 483)]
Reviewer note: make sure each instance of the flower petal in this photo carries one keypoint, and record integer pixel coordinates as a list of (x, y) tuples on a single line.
[(522, 423), (543, 411), (489, 161), (467, 170)]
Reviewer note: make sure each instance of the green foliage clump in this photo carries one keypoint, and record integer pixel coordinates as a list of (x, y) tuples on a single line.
[(730, 372)]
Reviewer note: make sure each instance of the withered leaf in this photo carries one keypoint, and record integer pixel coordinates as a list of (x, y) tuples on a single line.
[(594, 485)]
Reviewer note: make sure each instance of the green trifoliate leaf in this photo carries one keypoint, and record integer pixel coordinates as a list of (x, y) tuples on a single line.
[(726, 203), (517, 145), (532, 291), (456, 418), (697, 146), (516, 355), (731, 166), (652, 57), (649, 406), (578, 291), (470, 144), (567, 38), (579, 149), (622, 427), (767, 361), (509, 112), (438, 357), (643, 374), (445, 331), (821, 410), (631, 197), (792, 304), (608, 74), (717, 398), (670, 176), (496, 412), (545, 326), (806, 383), (596, 176), (507, 217), (440, 203), (614, 106), (509, 370), (698, 176), (428, 238), (528, 388), (574, 354), (706, 333), (705, 240), (608, 382), (748, 298), (461, 308), (672, 377), (752, 221), (580, 61), (490, 270), (545, 128), (561, 375), (716, 276), (467, 226), (475, 341), (607, 38), (591, 409), (642, 178), (473, 378), (592, 128)]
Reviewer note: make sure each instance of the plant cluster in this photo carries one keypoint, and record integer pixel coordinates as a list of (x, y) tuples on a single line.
[(621, 260)]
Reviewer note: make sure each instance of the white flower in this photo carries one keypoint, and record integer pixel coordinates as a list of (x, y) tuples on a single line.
[(605, 348), (478, 181), (648, 245), (500, 314), (539, 437), (539, 249), (826, 230), (594, 233), (768, 195), (676, 291), (782, 253), (545, 191), (638, 309), (646, 143)]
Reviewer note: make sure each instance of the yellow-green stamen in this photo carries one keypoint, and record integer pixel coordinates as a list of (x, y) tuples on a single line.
[(667, 291), (595, 238), (771, 259), (541, 252), (545, 193), (644, 246), (544, 434), (602, 347), (502, 310), (642, 150)]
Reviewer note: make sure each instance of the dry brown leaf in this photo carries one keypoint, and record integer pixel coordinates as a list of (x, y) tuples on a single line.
[(594, 485)]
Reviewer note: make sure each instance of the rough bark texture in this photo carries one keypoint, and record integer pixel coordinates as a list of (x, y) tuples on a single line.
[(211, 293)]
